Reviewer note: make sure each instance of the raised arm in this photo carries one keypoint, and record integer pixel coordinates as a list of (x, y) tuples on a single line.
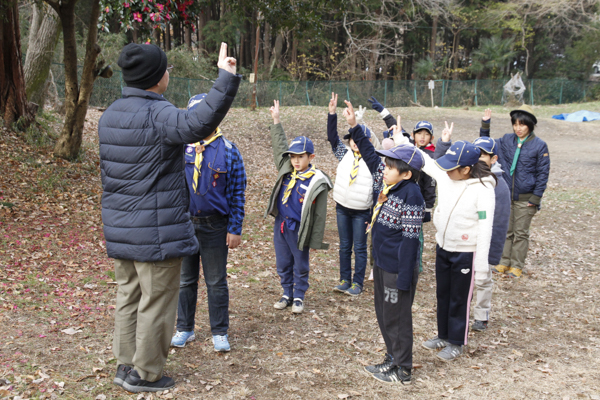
[(182, 126), (443, 143), (486, 120), (278, 139), (367, 151), (338, 147)]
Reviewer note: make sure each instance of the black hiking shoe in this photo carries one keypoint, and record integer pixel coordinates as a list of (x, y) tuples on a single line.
[(133, 383), (122, 371), (394, 375), (479, 326), (378, 368)]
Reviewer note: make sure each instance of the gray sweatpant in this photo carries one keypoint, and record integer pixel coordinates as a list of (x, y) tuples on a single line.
[(483, 303)]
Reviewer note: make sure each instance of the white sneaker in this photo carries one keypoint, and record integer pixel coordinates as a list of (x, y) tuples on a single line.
[(298, 306)]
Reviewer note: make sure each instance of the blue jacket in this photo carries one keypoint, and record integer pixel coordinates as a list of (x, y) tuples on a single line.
[(501, 211), (145, 198), (533, 166)]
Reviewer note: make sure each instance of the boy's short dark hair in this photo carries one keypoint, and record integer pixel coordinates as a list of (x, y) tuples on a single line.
[(402, 167), (523, 119)]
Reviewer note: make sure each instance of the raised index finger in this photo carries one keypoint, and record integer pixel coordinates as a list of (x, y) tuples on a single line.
[(446, 122), (349, 105)]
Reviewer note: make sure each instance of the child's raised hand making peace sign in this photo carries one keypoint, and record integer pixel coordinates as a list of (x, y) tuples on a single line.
[(447, 132), (275, 112), (333, 103)]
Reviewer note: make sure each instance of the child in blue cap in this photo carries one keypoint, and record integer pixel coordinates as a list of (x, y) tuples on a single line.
[(299, 204), (489, 149), (216, 181), (463, 220), (395, 225)]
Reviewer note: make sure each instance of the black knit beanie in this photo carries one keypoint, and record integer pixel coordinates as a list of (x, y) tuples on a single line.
[(142, 65)]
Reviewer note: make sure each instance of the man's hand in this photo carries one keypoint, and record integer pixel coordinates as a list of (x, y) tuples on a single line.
[(349, 114), (233, 241), (333, 103), (275, 112), (447, 132), (226, 63), (375, 104), (487, 115)]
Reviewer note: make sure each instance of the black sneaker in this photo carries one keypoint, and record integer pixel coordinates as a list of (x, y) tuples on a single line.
[(479, 326), (133, 383), (394, 375), (122, 371), (378, 368)]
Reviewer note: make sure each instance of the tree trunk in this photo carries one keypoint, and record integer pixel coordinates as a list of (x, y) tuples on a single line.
[(266, 46), (455, 47), (188, 37), (294, 49), (43, 38), (13, 98), (277, 50), (76, 97), (156, 36), (167, 36), (433, 37), (201, 24)]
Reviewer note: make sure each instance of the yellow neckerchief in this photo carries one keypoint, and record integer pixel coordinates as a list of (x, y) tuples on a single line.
[(380, 200), (295, 175), (354, 172), (198, 161)]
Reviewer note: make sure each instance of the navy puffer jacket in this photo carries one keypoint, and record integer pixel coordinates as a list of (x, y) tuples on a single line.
[(533, 166), (145, 198)]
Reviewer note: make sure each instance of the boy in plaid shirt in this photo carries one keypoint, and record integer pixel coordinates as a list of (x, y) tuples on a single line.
[(216, 180)]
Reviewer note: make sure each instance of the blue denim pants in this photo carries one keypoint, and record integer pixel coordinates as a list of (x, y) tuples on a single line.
[(211, 233), (352, 227)]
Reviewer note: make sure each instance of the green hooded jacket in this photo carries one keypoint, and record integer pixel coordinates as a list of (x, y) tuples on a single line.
[(314, 207)]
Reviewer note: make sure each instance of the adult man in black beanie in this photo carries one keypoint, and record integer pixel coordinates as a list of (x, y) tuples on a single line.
[(144, 205)]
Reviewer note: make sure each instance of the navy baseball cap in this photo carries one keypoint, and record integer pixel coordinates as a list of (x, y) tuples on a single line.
[(301, 145), (424, 125), (365, 130), (195, 100), (460, 154), (486, 144), (405, 152)]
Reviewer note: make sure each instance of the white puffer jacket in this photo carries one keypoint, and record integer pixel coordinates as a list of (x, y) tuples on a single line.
[(464, 215), (359, 196)]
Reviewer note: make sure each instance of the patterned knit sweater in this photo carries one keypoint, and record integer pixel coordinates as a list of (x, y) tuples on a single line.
[(398, 225)]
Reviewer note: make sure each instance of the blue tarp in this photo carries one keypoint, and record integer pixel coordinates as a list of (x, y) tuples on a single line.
[(579, 116)]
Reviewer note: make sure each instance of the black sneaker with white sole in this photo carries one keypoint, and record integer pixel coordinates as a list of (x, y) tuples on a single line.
[(382, 367), (394, 375), (479, 326), (135, 384), (122, 371)]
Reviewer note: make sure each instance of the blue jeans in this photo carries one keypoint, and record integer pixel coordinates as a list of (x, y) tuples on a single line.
[(352, 227), (211, 233)]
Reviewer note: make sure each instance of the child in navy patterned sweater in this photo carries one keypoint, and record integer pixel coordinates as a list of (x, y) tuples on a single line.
[(396, 225)]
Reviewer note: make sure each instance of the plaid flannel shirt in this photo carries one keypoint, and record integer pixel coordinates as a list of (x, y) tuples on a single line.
[(235, 190)]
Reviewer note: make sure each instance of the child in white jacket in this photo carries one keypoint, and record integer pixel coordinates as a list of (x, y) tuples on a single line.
[(463, 220)]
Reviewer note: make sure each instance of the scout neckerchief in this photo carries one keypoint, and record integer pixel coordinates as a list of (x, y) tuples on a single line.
[(354, 172), (295, 175), (200, 146), (514, 163), (380, 200)]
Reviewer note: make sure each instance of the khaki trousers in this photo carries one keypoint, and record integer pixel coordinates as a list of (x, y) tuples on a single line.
[(145, 314), (517, 237), (483, 303)]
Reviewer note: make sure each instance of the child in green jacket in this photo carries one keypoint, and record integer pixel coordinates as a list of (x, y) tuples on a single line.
[(299, 204)]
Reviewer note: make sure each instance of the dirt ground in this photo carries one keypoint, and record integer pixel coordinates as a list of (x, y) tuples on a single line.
[(543, 341)]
